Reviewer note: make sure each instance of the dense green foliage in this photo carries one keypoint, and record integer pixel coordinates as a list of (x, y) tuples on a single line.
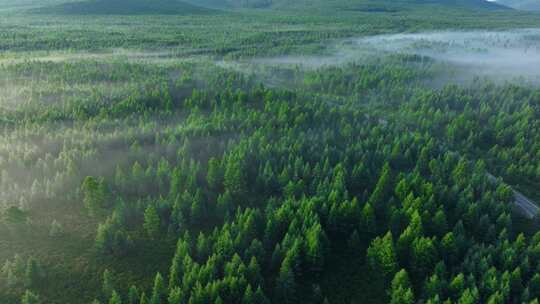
[(163, 172)]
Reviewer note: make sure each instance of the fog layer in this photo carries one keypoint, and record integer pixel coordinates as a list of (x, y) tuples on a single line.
[(496, 55)]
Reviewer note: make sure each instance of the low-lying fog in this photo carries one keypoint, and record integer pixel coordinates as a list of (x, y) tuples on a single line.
[(169, 56), (496, 55)]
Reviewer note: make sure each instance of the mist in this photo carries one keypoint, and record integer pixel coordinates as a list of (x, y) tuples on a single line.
[(461, 56), (498, 56)]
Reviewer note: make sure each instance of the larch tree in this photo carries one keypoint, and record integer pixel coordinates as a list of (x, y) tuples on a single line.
[(152, 221)]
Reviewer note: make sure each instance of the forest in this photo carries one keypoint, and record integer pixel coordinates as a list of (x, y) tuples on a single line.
[(258, 152)]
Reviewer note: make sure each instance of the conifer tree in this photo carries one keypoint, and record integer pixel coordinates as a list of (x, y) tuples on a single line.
[(30, 298), (158, 292), (133, 295), (381, 256), (107, 284), (32, 272), (152, 221), (115, 298)]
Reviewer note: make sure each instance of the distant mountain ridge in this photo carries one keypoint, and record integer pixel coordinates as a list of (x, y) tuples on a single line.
[(480, 4), (233, 3), (348, 4), (126, 7), (186, 7)]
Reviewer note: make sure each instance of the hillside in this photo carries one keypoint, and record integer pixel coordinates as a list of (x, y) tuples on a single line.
[(348, 5), (401, 4), (126, 7), (28, 4), (469, 4)]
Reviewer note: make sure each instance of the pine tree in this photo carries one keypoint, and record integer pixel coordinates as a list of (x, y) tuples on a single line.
[(93, 190), (158, 292), (316, 247), (152, 221), (259, 297), (423, 257), (496, 298), (144, 298), (175, 188), (248, 296), (120, 179), (32, 272), (198, 213), (56, 229), (469, 297), (449, 248), (214, 177), (174, 271), (224, 204), (107, 284), (380, 193), (440, 224), (457, 285), (115, 298), (254, 272), (11, 278), (286, 285), (104, 242), (534, 286), (30, 298), (401, 291), (137, 173), (133, 295), (234, 178), (516, 286), (381, 256), (367, 220), (175, 295)]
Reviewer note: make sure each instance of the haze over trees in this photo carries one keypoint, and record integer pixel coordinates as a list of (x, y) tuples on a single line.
[(525, 5), (141, 160)]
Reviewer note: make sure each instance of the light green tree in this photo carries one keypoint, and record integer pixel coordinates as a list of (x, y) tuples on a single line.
[(152, 222)]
